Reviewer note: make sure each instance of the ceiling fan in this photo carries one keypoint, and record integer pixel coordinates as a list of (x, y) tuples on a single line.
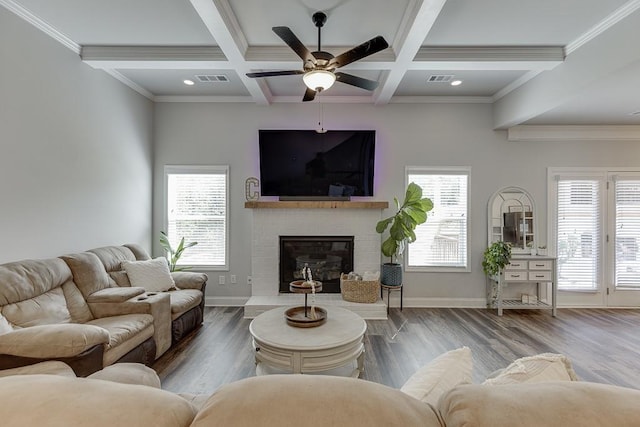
[(319, 66)]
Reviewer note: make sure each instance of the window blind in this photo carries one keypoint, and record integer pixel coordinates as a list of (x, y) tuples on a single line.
[(197, 211), (627, 226), (579, 220), (442, 240)]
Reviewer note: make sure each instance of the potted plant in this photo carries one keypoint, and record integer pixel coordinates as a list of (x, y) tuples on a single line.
[(411, 213), (174, 255), (496, 257)]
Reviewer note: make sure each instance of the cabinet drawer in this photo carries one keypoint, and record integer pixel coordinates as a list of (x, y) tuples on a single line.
[(540, 265), (516, 265), (515, 275), (539, 276)]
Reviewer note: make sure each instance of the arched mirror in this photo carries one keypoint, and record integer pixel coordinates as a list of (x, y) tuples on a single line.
[(512, 219)]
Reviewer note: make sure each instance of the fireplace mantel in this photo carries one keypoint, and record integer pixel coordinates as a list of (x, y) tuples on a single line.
[(315, 204)]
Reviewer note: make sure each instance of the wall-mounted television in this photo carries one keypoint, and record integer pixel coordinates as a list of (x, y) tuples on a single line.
[(301, 164)]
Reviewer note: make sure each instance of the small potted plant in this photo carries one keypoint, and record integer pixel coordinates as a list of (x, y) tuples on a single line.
[(496, 257), (174, 254), (411, 213)]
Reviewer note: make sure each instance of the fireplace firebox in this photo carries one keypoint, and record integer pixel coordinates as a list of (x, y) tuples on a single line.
[(327, 256)]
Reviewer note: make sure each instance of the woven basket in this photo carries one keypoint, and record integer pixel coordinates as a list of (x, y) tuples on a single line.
[(359, 290)]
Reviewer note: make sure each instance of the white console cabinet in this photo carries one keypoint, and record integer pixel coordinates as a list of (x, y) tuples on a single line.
[(525, 269)]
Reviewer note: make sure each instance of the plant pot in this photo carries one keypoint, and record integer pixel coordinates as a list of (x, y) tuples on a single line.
[(391, 274)]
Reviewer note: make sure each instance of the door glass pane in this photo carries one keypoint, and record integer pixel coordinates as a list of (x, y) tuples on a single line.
[(579, 220), (627, 226)]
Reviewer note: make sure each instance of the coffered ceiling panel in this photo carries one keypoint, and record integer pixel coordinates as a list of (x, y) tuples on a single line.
[(123, 22), (543, 61), (517, 22), (474, 83)]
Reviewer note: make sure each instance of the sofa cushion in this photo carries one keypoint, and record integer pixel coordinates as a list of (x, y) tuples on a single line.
[(312, 400), (88, 272), (128, 373), (123, 328), (184, 300), (138, 251), (46, 309), (443, 373), (23, 280), (538, 368), (48, 400), (112, 256), (49, 367), (549, 404), (189, 279), (153, 275)]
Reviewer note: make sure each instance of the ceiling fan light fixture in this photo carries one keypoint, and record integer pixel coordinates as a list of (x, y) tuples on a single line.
[(319, 80)]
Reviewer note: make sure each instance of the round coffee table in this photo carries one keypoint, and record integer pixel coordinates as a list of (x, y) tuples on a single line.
[(329, 348)]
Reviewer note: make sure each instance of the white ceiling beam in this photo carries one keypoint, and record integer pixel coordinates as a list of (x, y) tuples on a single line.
[(417, 22), (541, 133), (218, 17)]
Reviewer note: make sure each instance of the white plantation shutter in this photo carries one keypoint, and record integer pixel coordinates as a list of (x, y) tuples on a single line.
[(442, 240), (579, 231), (197, 210), (627, 234)]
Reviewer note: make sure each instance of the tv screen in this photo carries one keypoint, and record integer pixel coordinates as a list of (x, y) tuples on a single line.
[(305, 163)]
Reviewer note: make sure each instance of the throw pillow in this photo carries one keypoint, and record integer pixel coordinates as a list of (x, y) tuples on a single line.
[(441, 375), (533, 369), (152, 275)]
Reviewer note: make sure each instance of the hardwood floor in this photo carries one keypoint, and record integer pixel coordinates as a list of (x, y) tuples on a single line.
[(603, 345)]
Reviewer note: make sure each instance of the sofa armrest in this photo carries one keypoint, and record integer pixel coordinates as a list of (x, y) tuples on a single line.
[(115, 295), (189, 280), (52, 341)]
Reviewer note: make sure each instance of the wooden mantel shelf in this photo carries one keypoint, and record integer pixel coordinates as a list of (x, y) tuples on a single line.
[(315, 204)]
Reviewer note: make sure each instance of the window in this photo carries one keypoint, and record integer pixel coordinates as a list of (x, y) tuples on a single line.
[(627, 232), (197, 209), (441, 243), (578, 225)]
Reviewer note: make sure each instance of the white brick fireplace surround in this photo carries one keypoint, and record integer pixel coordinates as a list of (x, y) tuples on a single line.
[(274, 219)]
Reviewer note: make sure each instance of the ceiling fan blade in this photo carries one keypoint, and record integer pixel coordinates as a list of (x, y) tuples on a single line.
[(309, 95), (294, 43), (274, 73), (356, 81), (370, 47)]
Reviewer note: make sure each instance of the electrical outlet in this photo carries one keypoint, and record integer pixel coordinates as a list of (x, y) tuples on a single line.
[(221, 280), (233, 279), (249, 280)]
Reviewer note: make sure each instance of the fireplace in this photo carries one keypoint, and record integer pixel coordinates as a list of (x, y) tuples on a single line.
[(327, 256)]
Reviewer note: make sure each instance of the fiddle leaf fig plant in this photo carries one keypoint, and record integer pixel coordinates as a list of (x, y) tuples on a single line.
[(174, 254), (496, 257), (411, 213)]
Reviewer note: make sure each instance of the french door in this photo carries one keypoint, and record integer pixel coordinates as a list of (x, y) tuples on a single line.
[(595, 233)]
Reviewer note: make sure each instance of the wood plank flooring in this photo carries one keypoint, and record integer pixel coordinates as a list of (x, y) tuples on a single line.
[(603, 345)]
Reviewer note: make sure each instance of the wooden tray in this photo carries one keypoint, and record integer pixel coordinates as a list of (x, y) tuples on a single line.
[(295, 317), (302, 287)]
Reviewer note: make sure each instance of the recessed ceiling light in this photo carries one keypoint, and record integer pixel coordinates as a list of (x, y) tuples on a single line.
[(456, 82), (188, 82)]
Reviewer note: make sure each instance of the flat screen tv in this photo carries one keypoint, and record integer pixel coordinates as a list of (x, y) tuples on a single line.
[(307, 164)]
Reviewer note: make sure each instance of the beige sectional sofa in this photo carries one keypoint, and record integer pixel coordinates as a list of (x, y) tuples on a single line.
[(73, 310), (310, 401)]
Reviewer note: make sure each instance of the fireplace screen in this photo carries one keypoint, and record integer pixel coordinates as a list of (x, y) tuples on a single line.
[(327, 256)]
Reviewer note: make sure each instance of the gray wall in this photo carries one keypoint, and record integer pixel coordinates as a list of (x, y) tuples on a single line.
[(76, 158), (407, 135)]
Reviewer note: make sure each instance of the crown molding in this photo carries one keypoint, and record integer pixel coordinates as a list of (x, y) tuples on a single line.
[(40, 24), (515, 84), (560, 133), (133, 85), (611, 20)]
